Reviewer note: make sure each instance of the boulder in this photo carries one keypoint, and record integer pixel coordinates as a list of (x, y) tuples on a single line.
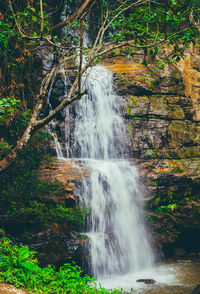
[(146, 281)]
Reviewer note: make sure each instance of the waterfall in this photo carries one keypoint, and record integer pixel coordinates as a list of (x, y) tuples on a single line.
[(52, 126), (115, 227)]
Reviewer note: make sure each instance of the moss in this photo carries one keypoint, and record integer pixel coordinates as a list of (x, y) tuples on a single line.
[(158, 105), (189, 152), (116, 52), (137, 106), (128, 111), (195, 133), (125, 81), (178, 133), (134, 100), (173, 153), (155, 203), (130, 130), (165, 224), (155, 182), (175, 112)]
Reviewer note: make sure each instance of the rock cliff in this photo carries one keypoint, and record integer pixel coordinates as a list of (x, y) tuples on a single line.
[(161, 111)]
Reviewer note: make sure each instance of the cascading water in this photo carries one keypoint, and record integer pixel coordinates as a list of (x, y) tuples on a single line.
[(52, 126), (118, 240)]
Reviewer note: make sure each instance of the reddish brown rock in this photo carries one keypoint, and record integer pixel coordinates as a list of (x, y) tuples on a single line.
[(67, 172)]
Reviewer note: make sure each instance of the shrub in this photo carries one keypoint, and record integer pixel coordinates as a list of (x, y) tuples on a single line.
[(19, 267)]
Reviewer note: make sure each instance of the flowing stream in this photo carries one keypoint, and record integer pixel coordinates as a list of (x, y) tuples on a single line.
[(118, 238)]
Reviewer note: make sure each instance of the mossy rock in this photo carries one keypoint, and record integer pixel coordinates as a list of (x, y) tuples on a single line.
[(137, 105), (158, 105), (178, 133), (175, 112)]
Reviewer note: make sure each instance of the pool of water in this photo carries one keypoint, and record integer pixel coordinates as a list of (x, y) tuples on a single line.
[(175, 278)]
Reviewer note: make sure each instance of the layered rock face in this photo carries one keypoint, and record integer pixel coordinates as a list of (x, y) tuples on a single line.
[(190, 68), (163, 130)]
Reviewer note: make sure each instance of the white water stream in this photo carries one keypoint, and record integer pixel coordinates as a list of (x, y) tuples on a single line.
[(118, 239)]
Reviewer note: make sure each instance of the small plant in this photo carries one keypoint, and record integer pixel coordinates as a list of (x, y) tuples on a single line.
[(7, 108), (44, 135), (6, 32), (167, 208), (18, 266), (5, 146)]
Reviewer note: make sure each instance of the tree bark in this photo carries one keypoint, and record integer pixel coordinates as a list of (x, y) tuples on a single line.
[(71, 17), (10, 158)]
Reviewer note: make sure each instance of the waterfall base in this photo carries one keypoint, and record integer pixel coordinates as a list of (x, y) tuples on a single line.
[(181, 277)]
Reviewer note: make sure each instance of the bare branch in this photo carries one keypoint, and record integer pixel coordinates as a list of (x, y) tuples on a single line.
[(18, 26), (42, 18), (81, 57), (101, 30), (71, 17), (68, 99)]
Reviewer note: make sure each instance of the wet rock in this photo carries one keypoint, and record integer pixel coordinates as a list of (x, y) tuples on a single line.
[(146, 281), (131, 88), (57, 245), (130, 76), (45, 53), (179, 252), (171, 80), (69, 174), (191, 76), (161, 127), (196, 290)]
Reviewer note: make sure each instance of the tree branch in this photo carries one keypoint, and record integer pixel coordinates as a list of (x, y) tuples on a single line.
[(80, 57), (42, 18), (71, 17), (18, 26), (71, 97)]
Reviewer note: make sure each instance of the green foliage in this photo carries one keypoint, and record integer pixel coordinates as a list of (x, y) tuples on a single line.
[(6, 32), (4, 146), (18, 125), (132, 103), (8, 107), (13, 122), (31, 15), (44, 135), (167, 208), (37, 213), (18, 266), (150, 23)]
